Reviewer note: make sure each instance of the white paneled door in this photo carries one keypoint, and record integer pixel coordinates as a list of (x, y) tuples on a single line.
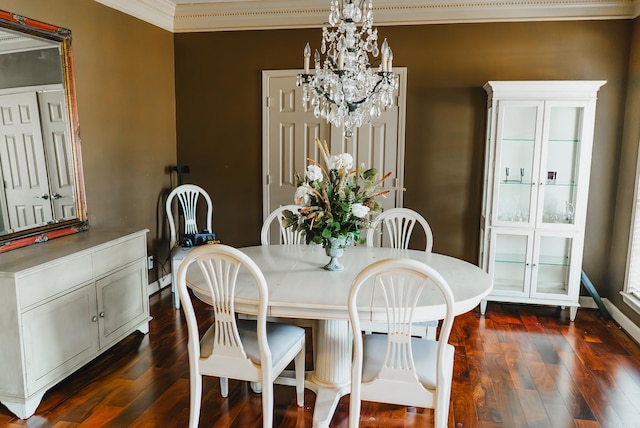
[(24, 169), (289, 134), (36, 169)]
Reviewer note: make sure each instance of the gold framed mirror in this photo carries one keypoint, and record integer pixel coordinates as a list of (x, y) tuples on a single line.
[(42, 196)]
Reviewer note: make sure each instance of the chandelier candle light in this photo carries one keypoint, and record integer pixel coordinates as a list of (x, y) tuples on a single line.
[(345, 89)]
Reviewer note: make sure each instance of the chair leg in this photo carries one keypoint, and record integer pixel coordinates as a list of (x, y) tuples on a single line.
[(196, 399), (224, 387), (267, 403), (174, 291), (354, 410), (300, 374), (443, 400)]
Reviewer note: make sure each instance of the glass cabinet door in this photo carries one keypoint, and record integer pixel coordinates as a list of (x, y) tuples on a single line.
[(551, 266), (510, 262), (560, 163), (516, 162)]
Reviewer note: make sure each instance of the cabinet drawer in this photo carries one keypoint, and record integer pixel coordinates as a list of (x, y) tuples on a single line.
[(118, 255), (55, 279)]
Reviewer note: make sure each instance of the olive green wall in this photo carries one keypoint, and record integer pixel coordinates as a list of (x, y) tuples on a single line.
[(125, 88), (627, 175), (218, 87)]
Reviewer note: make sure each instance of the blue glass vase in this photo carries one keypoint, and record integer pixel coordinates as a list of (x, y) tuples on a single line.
[(334, 247)]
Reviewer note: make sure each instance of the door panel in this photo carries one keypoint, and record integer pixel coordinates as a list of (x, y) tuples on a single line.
[(55, 135), (291, 134), (26, 183)]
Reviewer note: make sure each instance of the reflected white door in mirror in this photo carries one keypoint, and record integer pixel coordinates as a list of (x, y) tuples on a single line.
[(35, 159)]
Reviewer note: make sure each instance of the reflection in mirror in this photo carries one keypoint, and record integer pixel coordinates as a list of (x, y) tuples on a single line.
[(42, 189)]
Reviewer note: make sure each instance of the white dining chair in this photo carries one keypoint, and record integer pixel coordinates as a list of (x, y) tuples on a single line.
[(188, 196), (399, 224), (287, 236), (249, 350), (397, 368)]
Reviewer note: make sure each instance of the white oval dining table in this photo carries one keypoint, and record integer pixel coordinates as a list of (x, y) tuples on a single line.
[(299, 287)]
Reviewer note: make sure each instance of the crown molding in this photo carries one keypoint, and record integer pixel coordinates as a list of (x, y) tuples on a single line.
[(182, 16), (157, 12)]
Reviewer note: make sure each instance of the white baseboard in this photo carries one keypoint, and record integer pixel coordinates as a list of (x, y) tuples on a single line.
[(588, 302), (627, 325), (156, 286)]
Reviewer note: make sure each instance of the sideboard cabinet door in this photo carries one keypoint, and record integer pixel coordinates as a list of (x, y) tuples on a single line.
[(122, 302), (59, 335)]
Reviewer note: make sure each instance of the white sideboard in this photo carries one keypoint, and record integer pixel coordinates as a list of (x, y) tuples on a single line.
[(64, 302)]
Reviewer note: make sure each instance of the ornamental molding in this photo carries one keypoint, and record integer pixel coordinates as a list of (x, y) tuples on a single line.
[(183, 16)]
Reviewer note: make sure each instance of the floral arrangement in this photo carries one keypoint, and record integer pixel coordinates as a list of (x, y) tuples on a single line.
[(336, 201)]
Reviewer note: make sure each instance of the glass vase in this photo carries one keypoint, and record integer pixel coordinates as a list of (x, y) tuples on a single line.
[(334, 247)]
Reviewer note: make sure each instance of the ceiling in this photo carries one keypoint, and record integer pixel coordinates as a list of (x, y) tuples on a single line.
[(181, 16)]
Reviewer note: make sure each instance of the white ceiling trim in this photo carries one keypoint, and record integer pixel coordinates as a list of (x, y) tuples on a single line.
[(218, 15)]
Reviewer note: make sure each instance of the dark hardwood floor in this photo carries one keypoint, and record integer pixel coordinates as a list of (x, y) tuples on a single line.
[(517, 366)]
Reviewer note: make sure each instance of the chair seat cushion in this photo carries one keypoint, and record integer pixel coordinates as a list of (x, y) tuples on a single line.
[(424, 355), (280, 337)]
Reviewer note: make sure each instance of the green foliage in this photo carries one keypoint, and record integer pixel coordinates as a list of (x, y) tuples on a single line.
[(328, 203)]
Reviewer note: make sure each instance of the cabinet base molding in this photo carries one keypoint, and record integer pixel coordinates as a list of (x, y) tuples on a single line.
[(25, 408)]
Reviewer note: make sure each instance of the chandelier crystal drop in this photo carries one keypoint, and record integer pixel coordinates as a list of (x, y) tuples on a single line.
[(345, 88)]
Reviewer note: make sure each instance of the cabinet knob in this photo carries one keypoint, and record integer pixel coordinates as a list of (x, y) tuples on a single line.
[(94, 318), (101, 314)]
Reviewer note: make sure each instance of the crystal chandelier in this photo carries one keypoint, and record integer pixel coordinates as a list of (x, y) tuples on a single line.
[(346, 89)]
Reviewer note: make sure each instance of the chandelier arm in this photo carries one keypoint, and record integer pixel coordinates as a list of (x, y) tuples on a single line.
[(350, 50)]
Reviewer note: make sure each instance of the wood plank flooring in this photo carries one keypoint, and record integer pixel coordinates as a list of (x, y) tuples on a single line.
[(517, 366)]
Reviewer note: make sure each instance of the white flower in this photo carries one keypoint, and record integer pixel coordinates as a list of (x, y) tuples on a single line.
[(344, 160), (302, 196), (314, 172), (359, 210)]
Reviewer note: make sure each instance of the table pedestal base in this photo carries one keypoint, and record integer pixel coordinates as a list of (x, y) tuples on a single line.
[(331, 377)]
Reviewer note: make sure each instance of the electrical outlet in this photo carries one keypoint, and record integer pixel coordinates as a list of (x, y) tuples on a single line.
[(150, 262)]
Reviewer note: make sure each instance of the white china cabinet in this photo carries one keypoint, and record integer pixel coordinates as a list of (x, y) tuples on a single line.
[(536, 183), (64, 302)]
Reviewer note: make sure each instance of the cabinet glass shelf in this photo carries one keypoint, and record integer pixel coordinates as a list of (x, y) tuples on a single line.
[(510, 258), (543, 261), (528, 183), (563, 140), (518, 140), (553, 260), (562, 184)]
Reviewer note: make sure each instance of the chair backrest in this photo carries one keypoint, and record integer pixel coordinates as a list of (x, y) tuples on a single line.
[(219, 268), (399, 224), (288, 235), (188, 195), (401, 282)]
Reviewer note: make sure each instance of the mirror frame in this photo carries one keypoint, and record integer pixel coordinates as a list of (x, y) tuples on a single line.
[(43, 233)]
